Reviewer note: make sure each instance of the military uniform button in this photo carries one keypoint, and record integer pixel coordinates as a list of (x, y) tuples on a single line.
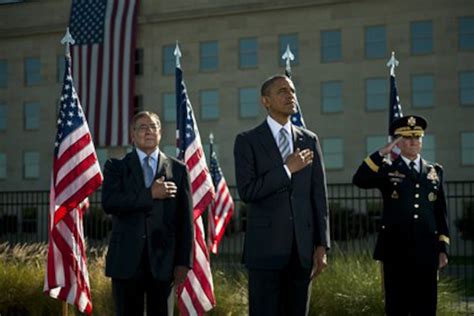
[(383, 226), (417, 196), (416, 206), (417, 185), (415, 216), (395, 183)]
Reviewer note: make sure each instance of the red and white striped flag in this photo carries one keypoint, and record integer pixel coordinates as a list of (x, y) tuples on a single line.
[(76, 174), (196, 295), (222, 206), (103, 54)]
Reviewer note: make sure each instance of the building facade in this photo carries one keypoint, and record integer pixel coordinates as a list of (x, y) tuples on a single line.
[(229, 48)]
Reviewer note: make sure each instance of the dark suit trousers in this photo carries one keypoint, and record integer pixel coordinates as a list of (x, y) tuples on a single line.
[(129, 294), (280, 292), (410, 289)]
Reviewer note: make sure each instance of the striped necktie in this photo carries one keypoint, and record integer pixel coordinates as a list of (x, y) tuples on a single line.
[(148, 171), (284, 144)]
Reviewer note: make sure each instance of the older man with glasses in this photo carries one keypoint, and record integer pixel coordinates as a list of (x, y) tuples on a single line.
[(148, 195)]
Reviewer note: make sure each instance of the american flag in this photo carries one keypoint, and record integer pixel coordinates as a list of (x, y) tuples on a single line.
[(222, 206), (76, 174), (196, 295), (104, 52), (297, 118), (395, 112)]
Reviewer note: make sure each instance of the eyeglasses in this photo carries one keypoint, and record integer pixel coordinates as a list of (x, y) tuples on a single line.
[(143, 128)]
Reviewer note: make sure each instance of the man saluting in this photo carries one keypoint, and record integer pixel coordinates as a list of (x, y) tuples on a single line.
[(413, 238)]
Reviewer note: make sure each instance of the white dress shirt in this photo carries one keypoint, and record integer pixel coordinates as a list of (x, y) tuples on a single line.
[(275, 127)]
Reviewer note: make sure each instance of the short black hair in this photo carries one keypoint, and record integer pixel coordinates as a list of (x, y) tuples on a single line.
[(268, 83)]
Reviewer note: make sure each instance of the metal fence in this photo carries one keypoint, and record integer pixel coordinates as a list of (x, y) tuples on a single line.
[(354, 214)]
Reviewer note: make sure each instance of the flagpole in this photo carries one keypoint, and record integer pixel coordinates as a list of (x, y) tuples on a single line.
[(392, 63), (288, 56), (211, 145), (67, 40)]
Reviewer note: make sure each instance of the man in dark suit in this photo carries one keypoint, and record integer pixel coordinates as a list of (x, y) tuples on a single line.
[(280, 175), (148, 195), (413, 238)]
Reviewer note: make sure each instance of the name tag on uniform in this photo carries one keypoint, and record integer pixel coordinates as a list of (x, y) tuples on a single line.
[(396, 174)]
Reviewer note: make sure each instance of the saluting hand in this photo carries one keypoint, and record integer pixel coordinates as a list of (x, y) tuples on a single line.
[(388, 148), (299, 159), (161, 189)]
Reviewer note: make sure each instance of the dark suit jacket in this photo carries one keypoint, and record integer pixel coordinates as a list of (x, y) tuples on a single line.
[(414, 222), (279, 208), (165, 227)]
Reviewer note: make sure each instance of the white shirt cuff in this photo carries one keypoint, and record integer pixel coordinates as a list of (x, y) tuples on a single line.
[(287, 171)]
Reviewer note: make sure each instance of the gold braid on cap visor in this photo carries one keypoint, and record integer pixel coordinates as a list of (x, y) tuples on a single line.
[(407, 131)]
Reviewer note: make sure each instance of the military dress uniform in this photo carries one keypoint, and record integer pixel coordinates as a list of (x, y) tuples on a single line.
[(413, 231)]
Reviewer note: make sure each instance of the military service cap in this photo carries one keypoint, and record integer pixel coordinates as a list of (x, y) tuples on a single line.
[(408, 126)]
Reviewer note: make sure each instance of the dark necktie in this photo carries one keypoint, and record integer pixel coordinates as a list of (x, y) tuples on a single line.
[(413, 169), (148, 171)]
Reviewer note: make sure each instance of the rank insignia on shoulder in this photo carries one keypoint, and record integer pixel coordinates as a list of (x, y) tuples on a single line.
[(432, 197), (395, 195), (432, 175)]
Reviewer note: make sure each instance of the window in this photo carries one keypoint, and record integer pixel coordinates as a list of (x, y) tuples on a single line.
[(3, 117), (333, 153), (169, 107), (170, 150), (209, 104), (331, 96), (248, 52), (60, 67), (466, 87), (376, 94), (3, 73), (331, 46), (466, 33), (248, 99), (284, 41), (467, 148), (428, 149), (139, 61), (209, 56), (32, 115), (374, 143), (32, 71), (421, 37), (375, 42), (422, 91), (169, 61), (31, 165), (3, 166)]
